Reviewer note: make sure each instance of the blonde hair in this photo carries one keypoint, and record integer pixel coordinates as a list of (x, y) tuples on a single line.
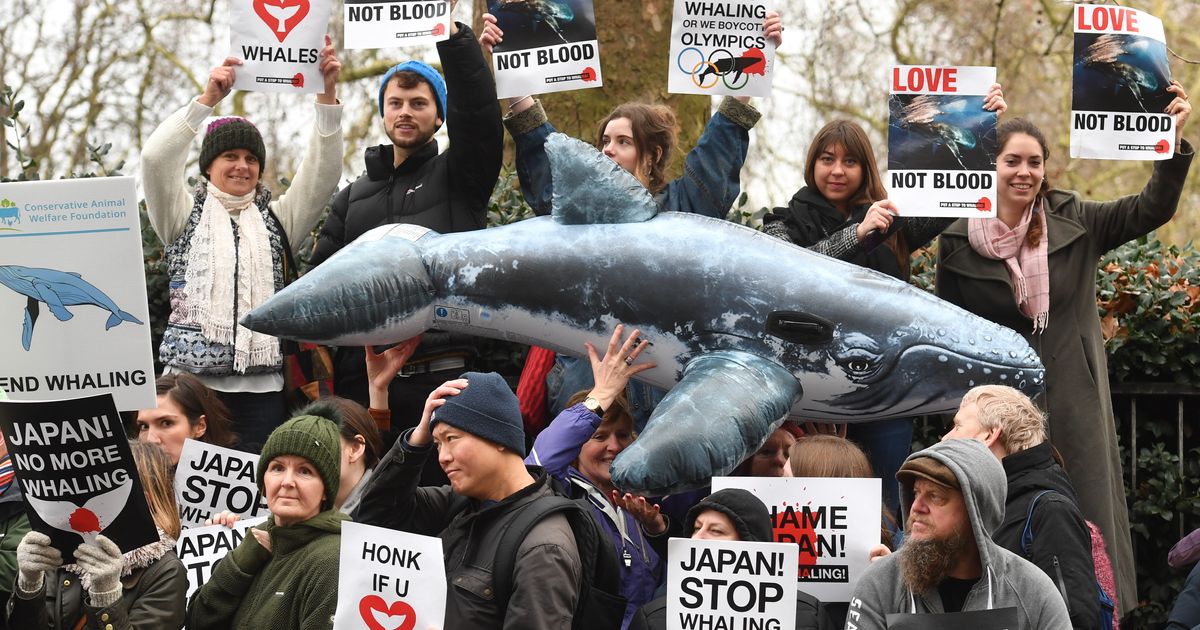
[(154, 469), (828, 456), (1022, 425)]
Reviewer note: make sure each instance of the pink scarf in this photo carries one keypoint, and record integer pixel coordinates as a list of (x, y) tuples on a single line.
[(1027, 268)]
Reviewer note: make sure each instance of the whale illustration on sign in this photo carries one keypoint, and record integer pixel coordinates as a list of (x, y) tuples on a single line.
[(58, 290), (747, 330)]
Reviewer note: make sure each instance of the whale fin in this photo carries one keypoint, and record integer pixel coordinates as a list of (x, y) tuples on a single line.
[(75, 273), (118, 317), (724, 407), (31, 314), (590, 188), (47, 295)]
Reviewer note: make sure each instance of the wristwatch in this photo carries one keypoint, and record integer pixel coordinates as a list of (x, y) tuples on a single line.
[(593, 406)]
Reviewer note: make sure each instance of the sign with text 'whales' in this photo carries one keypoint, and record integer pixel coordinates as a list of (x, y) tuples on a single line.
[(279, 43), (549, 46)]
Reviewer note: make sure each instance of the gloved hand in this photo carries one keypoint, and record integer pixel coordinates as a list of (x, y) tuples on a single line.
[(35, 557), (103, 562)]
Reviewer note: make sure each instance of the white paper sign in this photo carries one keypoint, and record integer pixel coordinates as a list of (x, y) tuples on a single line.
[(73, 314), (389, 579), (388, 24), (834, 523), (718, 47), (200, 548), (730, 584), (941, 141), (279, 43), (1119, 86), (548, 46), (211, 478)]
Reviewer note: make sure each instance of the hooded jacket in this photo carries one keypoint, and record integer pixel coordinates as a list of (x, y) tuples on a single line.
[(1007, 579)]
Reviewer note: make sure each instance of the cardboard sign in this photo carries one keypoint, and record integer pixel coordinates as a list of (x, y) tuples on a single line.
[(549, 46), (720, 48), (389, 579), (728, 584), (833, 522), (392, 23), (77, 474), (211, 478), (941, 141), (73, 314), (995, 619), (200, 548), (1119, 86), (279, 43)]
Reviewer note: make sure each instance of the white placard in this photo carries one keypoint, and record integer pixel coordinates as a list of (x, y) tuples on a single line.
[(550, 47), (200, 548), (392, 23), (1119, 86), (730, 584), (718, 47), (834, 523), (389, 579), (73, 315), (941, 141), (279, 43), (210, 479)]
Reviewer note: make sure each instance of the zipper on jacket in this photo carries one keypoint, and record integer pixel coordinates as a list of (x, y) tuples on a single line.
[(1062, 587), (388, 199)]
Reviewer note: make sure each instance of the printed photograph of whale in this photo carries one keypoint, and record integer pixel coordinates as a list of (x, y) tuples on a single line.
[(747, 330), (57, 290)]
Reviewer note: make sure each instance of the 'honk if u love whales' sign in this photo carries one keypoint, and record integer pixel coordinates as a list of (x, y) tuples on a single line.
[(389, 579)]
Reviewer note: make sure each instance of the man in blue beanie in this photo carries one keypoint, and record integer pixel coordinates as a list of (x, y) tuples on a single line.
[(475, 424), (409, 181)]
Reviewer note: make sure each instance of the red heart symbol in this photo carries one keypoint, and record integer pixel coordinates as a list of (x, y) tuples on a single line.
[(984, 204), (1162, 147), (588, 74), (438, 29), (281, 16), (369, 605)]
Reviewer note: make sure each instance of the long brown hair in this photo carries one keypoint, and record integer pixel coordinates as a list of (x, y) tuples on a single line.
[(854, 140), (196, 399), (158, 480), (1004, 132), (352, 419), (831, 456), (655, 134)]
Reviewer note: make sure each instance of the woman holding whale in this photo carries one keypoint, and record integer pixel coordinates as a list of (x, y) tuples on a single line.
[(1033, 268)]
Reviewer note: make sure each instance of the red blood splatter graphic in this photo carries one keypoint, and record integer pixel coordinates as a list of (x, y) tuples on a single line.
[(984, 204), (750, 66), (789, 525), (84, 521), (298, 80), (438, 30), (588, 74), (1162, 147)]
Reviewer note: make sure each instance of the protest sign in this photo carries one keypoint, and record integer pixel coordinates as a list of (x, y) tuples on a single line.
[(211, 478), (941, 141), (73, 315), (200, 548), (392, 23), (994, 619), (279, 43), (76, 472), (834, 523), (730, 584), (549, 46), (1119, 86), (718, 47), (389, 579)]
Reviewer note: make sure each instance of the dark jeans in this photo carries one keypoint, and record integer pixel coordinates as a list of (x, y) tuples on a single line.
[(1186, 613), (887, 443), (255, 416)]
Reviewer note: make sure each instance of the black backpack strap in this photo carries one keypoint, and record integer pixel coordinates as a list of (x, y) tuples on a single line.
[(514, 534)]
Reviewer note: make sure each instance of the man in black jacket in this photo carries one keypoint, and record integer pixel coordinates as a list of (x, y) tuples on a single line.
[(1015, 431), (409, 181)]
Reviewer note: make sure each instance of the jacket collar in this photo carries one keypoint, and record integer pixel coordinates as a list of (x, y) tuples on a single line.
[(285, 540), (1061, 231), (380, 160)]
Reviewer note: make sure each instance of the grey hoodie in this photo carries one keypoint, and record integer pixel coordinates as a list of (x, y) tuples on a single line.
[(1007, 581)]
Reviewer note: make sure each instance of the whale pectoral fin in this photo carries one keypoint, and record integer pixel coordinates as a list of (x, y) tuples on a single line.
[(725, 406), (32, 310), (47, 295)]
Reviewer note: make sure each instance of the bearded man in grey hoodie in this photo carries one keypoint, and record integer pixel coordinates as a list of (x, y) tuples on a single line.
[(952, 498)]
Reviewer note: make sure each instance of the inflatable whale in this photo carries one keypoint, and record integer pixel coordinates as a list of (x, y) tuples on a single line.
[(746, 329)]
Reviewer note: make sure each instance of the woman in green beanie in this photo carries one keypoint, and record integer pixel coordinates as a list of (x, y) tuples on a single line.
[(269, 581)]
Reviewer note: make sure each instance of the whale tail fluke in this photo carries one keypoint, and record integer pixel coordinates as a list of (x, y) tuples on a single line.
[(118, 317)]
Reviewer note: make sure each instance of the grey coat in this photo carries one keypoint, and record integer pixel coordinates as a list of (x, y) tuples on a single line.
[(1072, 349)]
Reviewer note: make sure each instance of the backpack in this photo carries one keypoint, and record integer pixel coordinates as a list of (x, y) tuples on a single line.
[(600, 605), (1107, 607)]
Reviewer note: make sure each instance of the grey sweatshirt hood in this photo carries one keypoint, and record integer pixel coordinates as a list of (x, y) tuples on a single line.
[(984, 487)]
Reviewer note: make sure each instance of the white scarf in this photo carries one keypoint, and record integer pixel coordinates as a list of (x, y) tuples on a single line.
[(215, 265)]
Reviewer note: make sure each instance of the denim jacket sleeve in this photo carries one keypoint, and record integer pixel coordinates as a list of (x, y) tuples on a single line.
[(711, 182), (558, 444), (529, 130)]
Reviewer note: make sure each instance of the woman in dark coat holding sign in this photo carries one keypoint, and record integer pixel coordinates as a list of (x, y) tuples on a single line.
[(104, 588), (1033, 269)]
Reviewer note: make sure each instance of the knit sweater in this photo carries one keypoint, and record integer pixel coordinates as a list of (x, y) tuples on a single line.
[(292, 587)]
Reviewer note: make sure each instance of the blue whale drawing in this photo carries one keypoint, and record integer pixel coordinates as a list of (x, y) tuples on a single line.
[(747, 330), (58, 290)]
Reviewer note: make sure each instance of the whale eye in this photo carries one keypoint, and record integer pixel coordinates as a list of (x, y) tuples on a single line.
[(858, 362)]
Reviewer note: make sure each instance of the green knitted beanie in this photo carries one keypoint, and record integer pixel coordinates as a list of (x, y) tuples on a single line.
[(312, 437)]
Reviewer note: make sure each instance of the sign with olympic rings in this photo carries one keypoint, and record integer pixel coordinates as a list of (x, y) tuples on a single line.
[(719, 48)]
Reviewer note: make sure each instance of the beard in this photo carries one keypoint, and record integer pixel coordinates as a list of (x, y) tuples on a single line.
[(415, 142), (925, 563)]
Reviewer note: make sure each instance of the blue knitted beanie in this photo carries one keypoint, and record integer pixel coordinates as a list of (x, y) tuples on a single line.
[(428, 73), (487, 408)]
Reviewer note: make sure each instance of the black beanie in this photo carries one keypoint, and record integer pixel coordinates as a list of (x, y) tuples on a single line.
[(487, 408), (748, 513), (229, 133)]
